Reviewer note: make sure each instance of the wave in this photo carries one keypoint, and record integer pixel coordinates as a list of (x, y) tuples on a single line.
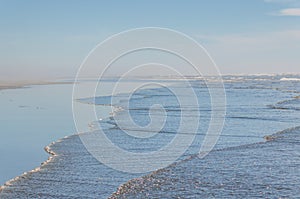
[(25, 174), (261, 170), (70, 172), (47, 149), (289, 79), (290, 104)]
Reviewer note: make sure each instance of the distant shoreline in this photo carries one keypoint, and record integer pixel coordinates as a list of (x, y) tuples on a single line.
[(17, 85)]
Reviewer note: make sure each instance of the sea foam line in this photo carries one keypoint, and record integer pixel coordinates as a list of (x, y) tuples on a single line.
[(37, 169), (135, 182), (48, 149)]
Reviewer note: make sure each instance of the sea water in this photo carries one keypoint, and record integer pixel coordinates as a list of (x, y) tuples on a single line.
[(241, 163), (31, 118)]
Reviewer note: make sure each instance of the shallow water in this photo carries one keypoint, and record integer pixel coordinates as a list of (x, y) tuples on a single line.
[(262, 170), (252, 113), (31, 118)]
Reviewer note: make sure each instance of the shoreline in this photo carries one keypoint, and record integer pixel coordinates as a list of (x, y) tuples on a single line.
[(47, 149), (27, 84)]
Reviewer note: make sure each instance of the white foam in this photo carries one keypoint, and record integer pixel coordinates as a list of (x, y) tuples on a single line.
[(289, 79)]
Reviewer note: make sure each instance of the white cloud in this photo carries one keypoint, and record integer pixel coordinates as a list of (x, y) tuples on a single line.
[(289, 12)]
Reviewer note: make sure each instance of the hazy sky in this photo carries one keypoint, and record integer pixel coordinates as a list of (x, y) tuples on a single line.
[(46, 39)]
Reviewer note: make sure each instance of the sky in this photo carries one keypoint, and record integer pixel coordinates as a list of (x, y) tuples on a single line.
[(50, 39)]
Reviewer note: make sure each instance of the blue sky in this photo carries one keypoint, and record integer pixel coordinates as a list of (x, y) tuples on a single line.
[(49, 39)]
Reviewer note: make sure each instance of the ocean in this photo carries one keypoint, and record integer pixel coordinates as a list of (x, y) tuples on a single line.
[(256, 155)]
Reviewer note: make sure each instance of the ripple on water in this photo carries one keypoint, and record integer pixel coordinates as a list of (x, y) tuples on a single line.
[(264, 170)]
